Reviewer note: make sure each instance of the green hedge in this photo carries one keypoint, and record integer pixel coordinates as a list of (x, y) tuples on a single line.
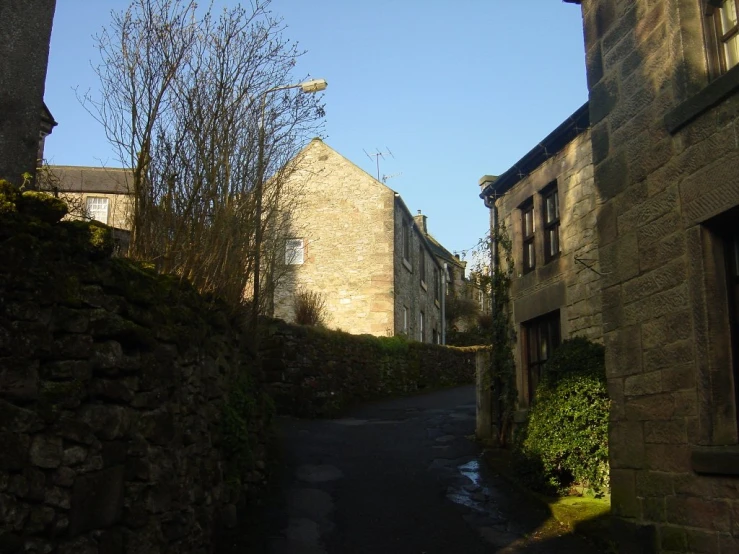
[(565, 441), (313, 371)]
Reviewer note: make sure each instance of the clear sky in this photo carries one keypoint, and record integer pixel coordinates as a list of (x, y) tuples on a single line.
[(455, 89)]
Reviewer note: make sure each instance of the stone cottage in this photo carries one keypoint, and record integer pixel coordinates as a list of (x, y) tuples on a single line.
[(100, 193), (456, 283), (663, 79), (356, 243), (547, 205)]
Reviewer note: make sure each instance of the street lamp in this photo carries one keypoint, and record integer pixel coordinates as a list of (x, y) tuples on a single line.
[(314, 85)]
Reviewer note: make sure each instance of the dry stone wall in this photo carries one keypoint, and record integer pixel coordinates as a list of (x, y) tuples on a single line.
[(312, 371), (113, 382)]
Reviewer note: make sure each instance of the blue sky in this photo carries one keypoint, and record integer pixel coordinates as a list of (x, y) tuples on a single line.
[(455, 89)]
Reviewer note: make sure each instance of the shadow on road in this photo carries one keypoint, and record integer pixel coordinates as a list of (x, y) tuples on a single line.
[(396, 477)]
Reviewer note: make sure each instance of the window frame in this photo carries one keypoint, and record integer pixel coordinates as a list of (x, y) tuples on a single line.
[(529, 244), (716, 332), (293, 261), (420, 325), (89, 212), (716, 39), (553, 225), (422, 263), (725, 236), (549, 327), (406, 238), (437, 285)]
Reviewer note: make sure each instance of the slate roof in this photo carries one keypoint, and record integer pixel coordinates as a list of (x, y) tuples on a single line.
[(441, 252), (108, 180)]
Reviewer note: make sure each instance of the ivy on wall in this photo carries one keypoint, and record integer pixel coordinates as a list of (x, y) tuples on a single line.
[(503, 339), (500, 333)]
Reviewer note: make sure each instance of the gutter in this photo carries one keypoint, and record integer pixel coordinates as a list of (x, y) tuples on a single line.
[(568, 130)]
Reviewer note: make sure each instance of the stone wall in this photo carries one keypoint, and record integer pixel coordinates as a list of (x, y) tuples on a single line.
[(24, 52), (312, 371), (113, 385), (345, 218), (412, 292), (665, 155), (562, 284)]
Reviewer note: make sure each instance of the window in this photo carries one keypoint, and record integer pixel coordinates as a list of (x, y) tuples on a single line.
[(405, 320), (722, 35), (726, 232), (420, 326), (527, 228), (406, 236), (731, 242), (541, 336), (551, 224), (294, 252), (422, 263), (97, 208), (437, 285), (434, 336)]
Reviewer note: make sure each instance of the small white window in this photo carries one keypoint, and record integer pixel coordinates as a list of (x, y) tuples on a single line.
[(294, 252), (420, 326), (405, 320), (97, 208)]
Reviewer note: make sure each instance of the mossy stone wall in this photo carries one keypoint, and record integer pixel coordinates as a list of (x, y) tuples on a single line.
[(114, 382), (312, 371)]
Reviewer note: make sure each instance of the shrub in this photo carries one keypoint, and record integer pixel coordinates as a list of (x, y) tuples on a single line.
[(565, 441), (310, 308)]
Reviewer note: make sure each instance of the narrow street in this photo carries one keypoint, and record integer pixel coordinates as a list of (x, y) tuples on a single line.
[(399, 477)]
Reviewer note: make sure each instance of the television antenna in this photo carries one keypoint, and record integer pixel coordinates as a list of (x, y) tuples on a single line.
[(377, 155), (386, 177)]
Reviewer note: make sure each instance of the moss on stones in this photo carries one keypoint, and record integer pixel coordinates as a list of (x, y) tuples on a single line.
[(42, 206)]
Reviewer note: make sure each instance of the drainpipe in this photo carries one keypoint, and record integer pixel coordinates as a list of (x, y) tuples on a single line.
[(490, 202), (495, 260), (443, 304)]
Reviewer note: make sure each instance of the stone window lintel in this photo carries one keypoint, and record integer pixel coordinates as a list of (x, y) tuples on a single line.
[(715, 460), (712, 94)]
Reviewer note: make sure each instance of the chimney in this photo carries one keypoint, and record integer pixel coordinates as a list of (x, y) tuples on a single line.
[(420, 220)]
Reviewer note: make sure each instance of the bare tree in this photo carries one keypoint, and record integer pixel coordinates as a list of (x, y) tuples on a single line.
[(181, 93)]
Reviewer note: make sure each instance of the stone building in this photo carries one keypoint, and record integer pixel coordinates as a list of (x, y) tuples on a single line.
[(546, 204), (47, 125), (99, 193), (455, 281), (663, 80), (355, 242)]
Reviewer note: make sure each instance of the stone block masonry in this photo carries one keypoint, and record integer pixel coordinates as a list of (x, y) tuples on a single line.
[(113, 383), (664, 131), (312, 371)]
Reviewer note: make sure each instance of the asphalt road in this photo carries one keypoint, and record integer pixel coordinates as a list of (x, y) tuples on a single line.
[(399, 477)]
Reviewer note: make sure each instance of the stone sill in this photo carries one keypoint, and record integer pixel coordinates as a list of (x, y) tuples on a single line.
[(423, 285), (715, 460), (408, 265), (437, 303), (716, 91)]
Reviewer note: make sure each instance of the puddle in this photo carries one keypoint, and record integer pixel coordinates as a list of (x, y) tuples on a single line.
[(470, 492), (471, 470)]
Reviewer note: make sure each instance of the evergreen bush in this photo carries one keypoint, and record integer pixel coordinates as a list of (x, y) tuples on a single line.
[(565, 442)]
